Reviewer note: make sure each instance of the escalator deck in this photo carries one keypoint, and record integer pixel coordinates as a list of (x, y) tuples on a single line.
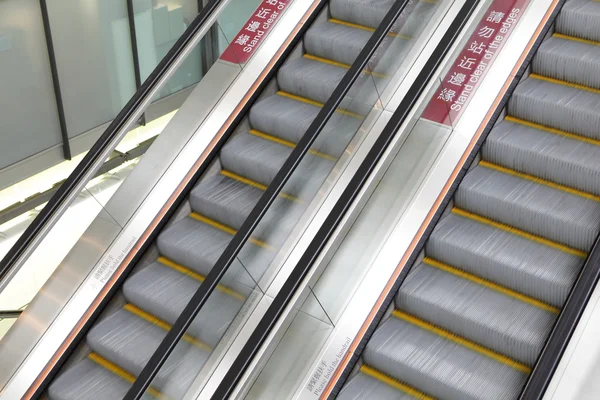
[(472, 316), (122, 341)]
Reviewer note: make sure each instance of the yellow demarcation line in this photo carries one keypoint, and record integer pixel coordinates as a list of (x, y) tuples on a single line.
[(317, 104), (388, 380), (228, 230), (193, 274), (120, 372), (564, 83), (289, 144), (576, 39), (163, 325), (491, 285), (552, 130), (257, 185), (462, 341), (518, 232), (341, 65), (369, 29), (535, 179)]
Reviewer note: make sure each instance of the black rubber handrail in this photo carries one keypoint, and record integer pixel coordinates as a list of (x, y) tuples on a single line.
[(10, 314), (91, 158), (292, 284), (232, 250)]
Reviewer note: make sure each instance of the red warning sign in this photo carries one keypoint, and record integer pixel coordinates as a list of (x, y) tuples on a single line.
[(460, 84), (254, 31)]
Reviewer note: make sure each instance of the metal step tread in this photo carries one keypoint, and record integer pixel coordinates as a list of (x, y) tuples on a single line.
[(530, 206), (561, 159), (483, 312), (87, 380), (198, 245), (164, 292), (129, 341), (580, 18), (289, 119), (372, 384), (558, 106), (565, 59), (441, 364), (527, 266)]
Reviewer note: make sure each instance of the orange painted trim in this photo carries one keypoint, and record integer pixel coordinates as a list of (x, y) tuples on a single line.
[(117, 274), (361, 333)]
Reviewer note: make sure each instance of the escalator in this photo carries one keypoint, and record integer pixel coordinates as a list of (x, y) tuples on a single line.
[(121, 342), (475, 311)]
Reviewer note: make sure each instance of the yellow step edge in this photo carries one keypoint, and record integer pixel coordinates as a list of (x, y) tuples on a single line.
[(228, 230), (369, 29), (535, 179), (257, 185), (388, 380), (317, 104), (193, 274), (289, 144), (163, 325), (462, 341), (341, 65), (491, 285), (576, 39), (518, 232), (564, 83), (552, 130), (120, 372)]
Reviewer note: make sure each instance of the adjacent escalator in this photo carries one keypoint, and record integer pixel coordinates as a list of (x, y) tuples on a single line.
[(473, 314), (122, 340)]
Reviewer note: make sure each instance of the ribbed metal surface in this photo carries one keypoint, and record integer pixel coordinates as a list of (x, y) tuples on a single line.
[(569, 60), (473, 316), (365, 387), (445, 369)]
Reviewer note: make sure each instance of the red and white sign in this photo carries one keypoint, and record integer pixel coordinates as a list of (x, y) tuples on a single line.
[(460, 84), (254, 31)]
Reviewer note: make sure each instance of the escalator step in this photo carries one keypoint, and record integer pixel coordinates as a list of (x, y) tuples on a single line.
[(87, 380), (527, 266), (129, 341), (528, 205), (557, 158), (309, 78), (580, 18), (164, 292), (289, 120), (569, 60), (230, 201), (369, 13), (441, 364), (260, 160), (557, 106), (477, 310), (337, 42), (363, 386), (198, 246)]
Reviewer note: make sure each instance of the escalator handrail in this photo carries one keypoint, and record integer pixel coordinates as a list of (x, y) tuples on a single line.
[(229, 255), (91, 161), (292, 284)]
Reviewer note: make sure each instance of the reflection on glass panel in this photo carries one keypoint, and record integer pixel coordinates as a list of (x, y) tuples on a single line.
[(28, 119), (158, 25), (232, 19), (93, 54)]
